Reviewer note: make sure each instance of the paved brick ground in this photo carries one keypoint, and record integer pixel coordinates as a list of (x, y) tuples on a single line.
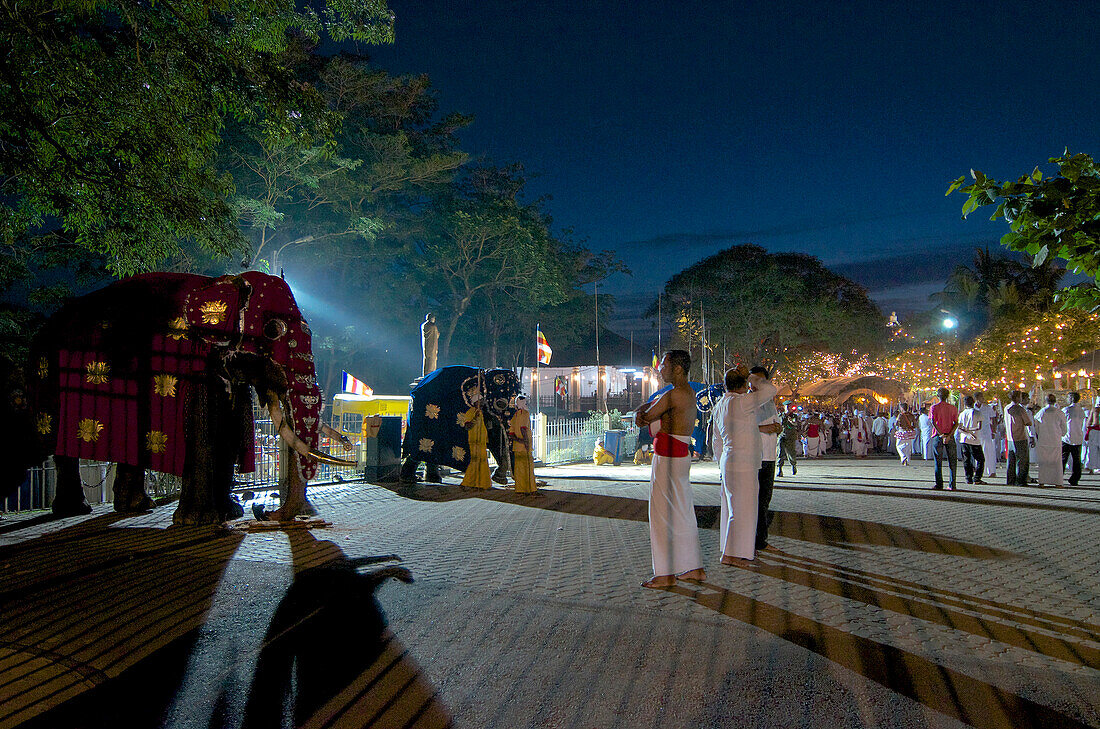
[(885, 604)]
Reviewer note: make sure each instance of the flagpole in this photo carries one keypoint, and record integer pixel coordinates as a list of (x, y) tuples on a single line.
[(659, 320), (538, 377)]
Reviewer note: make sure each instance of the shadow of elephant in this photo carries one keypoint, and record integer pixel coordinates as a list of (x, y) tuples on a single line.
[(329, 659)]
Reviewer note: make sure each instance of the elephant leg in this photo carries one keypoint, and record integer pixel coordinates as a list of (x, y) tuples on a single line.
[(292, 488), (497, 448), (205, 483), (69, 497), (130, 495)]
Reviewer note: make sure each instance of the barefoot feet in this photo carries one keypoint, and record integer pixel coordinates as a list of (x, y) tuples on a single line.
[(727, 559), (695, 575), (658, 581)]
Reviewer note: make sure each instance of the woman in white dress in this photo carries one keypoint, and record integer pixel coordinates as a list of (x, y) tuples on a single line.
[(1092, 439)]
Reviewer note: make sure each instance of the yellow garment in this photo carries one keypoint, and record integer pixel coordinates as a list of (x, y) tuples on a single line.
[(600, 455), (523, 465), (477, 472), (642, 457)]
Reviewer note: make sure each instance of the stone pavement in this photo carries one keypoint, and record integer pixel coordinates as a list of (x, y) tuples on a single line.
[(885, 604)]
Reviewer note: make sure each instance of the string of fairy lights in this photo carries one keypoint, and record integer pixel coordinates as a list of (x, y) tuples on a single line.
[(1004, 358)]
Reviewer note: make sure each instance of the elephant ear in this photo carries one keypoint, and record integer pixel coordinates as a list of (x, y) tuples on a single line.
[(214, 310)]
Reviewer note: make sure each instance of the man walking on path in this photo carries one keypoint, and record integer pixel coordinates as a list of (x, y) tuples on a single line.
[(971, 424), (945, 419), (989, 445), (1051, 428), (1017, 422), (1071, 444), (768, 423), (788, 444), (673, 530)]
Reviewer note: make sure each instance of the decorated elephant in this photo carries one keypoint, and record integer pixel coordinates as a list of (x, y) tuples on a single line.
[(156, 372), (436, 436)]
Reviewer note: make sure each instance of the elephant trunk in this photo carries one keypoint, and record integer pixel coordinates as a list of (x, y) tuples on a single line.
[(297, 444)]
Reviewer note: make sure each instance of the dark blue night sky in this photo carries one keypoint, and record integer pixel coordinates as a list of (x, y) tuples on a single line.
[(668, 131)]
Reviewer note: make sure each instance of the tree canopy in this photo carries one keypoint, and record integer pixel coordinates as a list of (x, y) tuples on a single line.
[(769, 308), (110, 113)]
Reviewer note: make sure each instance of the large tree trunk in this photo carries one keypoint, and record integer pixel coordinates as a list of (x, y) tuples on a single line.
[(449, 331)]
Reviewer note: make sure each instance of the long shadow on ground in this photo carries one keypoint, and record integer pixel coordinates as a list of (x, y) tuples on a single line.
[(105, 627), (951, 692)]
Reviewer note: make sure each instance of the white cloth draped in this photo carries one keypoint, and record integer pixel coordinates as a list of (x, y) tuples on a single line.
[(673, 530), (736, 433), (1091, 459), (1050, 427)]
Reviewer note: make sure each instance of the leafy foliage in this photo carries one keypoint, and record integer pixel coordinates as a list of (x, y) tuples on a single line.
[(1048, 217), (110, 112)]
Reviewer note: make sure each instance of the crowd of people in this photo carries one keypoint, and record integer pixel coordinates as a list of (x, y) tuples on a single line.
[(753, 441)]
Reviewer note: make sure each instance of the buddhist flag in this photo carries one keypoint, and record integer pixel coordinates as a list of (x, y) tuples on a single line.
[(356, 386), (561, 388), (656, 364), (544, 347)]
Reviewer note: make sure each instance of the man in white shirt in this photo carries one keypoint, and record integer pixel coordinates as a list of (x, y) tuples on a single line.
[(878, 429), (767, 420), (737, 443), (1050, 428), (1071, 444), (971, 425), (925, 424), (989, 445)]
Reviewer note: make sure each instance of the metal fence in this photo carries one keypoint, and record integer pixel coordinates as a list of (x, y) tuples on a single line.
[(37, 491), (569, 440)]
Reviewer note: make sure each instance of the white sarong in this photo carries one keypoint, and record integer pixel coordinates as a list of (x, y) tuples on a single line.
[(673, 530), (1091, 459), (926, 442), (904, 440), (740, 497)]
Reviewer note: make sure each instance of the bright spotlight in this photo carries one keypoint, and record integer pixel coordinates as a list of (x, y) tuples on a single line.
[(950, 322)]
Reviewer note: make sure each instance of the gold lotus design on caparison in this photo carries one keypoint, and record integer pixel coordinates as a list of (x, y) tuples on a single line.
[(156, 441), (88, 430), (98, 372), (44, 423), (165, 385), (213, 312), (177, 328)]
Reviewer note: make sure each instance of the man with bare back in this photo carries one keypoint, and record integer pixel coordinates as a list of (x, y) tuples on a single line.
[(673, 530)]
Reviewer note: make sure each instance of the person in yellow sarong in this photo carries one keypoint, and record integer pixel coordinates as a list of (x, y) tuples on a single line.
[(601, 455), (519, 434), (477, 472)]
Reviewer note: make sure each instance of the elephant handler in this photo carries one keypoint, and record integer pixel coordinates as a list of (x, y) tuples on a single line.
[(519, 433), (673, 530)]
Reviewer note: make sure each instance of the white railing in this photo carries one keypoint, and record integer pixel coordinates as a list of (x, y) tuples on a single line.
[(570, 440)]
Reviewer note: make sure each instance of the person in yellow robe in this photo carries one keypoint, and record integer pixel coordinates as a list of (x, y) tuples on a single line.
[(601, 455), (519, 434), (643, 456), (477, 472)]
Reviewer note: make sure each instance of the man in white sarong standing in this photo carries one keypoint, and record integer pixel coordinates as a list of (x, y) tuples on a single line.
[(673, 530), (861, 435), (925, 423), (1091, 460), (737, 434), (989, 446), (1051, 427), (1071, 444)]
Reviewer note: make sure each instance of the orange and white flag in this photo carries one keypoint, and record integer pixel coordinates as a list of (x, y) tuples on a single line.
[(544, 347)]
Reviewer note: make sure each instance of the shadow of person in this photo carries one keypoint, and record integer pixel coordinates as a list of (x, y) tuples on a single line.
[(833, 531), (328, 657)]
